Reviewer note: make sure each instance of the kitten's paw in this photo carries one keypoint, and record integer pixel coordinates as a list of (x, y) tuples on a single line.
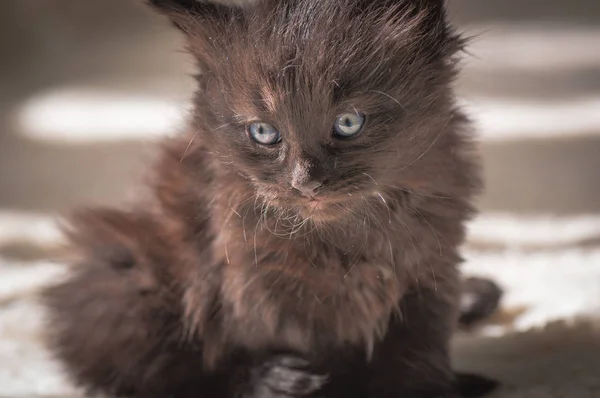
[(466, 385), (287, 376), (474, 386), (480, 298)]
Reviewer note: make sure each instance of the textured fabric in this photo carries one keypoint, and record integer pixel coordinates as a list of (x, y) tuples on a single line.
[(544, 343), (530, 82)]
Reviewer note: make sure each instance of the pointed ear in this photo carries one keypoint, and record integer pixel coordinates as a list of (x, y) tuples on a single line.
[(434, 9), (205, 23), (437, 12), (431, 10), (182, 12), (433, 4), (432, 13), (190, 7)]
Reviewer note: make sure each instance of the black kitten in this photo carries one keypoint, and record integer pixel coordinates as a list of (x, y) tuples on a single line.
[(301, 239)]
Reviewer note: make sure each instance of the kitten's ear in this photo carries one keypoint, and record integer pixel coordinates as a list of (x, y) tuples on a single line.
[(429, 11), (174, 4), (430, 14), (437, 7), (434, 8), (431, 4), (181, 12)]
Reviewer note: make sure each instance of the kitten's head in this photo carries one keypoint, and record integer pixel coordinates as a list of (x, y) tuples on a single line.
[(324, 105)]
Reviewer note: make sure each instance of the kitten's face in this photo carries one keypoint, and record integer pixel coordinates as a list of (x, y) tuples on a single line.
[(325, 105)]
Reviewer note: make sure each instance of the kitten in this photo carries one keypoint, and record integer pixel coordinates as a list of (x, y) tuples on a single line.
[(301, 238)]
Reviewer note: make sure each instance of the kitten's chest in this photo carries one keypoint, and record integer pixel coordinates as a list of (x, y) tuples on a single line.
[(302, 297)]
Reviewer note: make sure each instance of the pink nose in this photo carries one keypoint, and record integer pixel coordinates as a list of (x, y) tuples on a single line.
[(307, 188)]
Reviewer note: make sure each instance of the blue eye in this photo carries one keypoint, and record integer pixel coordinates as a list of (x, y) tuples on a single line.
[(264, 133), (348, 125)]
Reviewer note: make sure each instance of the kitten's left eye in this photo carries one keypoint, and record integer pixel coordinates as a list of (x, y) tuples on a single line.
[(264, 133), (348, 125)]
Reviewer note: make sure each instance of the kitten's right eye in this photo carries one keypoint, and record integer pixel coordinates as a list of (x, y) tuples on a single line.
[(263, 133)]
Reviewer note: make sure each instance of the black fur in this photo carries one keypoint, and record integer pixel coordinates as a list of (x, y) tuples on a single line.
[(226, 281)]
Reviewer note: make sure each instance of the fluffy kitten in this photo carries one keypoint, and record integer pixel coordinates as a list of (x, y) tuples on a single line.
[(301, 239)]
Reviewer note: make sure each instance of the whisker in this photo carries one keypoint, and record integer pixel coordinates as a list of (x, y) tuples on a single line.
[(187, 148), (389, 96), (386, 206), (233, 210), (372, 179)]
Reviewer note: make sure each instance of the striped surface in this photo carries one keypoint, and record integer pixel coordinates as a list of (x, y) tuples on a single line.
[(532, 85)]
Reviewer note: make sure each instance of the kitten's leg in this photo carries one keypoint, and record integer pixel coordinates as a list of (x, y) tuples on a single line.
[(412, 361), (114, 323), (480, 298)]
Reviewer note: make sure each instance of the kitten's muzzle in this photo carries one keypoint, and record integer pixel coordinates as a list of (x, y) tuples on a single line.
[(308, 188), (307, 176)]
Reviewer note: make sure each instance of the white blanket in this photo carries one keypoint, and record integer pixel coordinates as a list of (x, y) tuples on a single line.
[(538, 346)]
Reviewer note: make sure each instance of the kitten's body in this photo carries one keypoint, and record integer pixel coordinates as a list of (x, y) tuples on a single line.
[(228, 266)]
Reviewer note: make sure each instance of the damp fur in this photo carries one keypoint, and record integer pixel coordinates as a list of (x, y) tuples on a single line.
[(225, 280)]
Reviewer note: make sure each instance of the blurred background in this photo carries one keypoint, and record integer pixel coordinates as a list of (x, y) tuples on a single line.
[(86, 87)]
